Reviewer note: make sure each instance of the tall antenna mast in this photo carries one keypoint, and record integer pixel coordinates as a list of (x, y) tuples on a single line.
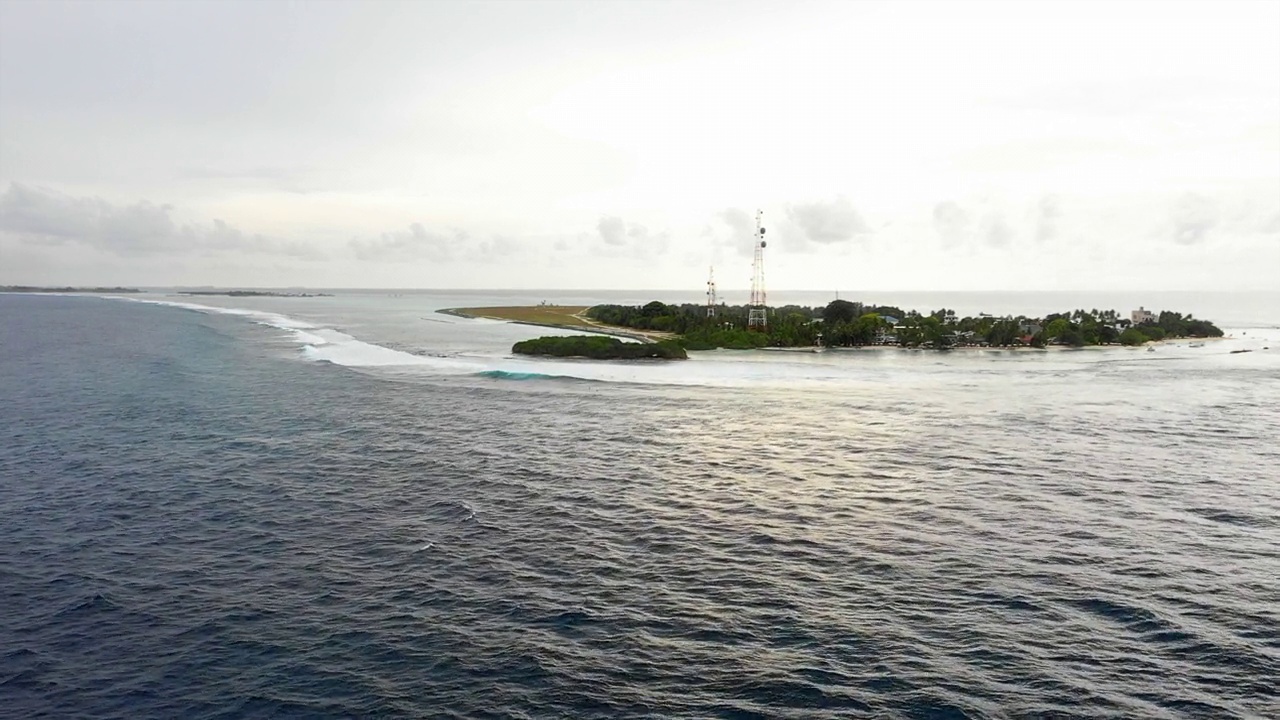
[(711, 292), (757, 318)]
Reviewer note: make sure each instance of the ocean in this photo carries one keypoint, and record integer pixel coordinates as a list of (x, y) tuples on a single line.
[(354, 506)]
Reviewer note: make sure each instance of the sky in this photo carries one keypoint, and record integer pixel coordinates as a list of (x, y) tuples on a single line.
[(520, 144)]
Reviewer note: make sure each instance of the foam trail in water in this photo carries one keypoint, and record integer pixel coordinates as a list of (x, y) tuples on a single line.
[(726, 369), (262, 318), (320, 343)]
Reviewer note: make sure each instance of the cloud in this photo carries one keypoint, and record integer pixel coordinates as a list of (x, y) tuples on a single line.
[(1193, 216), (996, 231), (633, 239), (612, 230), (221, 236), (42, 216), (495, 249), (1048, 212), (951, 222), (826, 223), (47, 216), (648, 244), (955, 226), (742, 230), (1271, 226), (417, 243), (738, 220)]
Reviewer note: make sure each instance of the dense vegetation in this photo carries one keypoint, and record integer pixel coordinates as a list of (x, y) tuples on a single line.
[(847, 324), (599, 347)]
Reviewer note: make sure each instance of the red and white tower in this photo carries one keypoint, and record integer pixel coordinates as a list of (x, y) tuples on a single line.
[(757, 317)]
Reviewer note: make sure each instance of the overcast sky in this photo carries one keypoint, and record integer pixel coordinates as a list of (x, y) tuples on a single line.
[(900, 145)]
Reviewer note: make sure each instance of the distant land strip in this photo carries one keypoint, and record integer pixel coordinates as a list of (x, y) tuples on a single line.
[(253, 293), (35, 289)]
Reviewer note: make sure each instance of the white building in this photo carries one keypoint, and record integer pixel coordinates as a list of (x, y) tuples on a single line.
[(1142, 315)]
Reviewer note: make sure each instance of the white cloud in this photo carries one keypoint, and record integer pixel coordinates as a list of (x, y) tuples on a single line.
[(827, 223), (42, 216), (1193, 217), (417, 243), (612, 230), (996, 231), (1048, 213), (628, 239), (951, 222), (741, 230)]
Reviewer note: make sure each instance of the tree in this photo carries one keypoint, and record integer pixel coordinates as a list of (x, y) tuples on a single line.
[(1132, 336), (1003, 332), (935, 333), (1057, 328), (838, 311)]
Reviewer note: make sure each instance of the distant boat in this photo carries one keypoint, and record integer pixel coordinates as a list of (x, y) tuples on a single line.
[(1151, 348), (1196, 344)]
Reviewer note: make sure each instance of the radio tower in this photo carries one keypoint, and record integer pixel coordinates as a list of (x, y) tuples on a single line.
[(756, 316), (711, 292)]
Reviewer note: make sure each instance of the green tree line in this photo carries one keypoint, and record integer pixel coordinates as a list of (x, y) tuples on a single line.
[(599, 347), (842, 323)]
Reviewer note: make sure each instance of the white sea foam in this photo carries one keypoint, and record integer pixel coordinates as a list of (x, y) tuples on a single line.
[(262, 318), (342, 349), (322, 344), (713, 370)]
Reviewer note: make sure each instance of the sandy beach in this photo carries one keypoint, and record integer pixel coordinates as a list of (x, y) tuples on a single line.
[(563, 317)]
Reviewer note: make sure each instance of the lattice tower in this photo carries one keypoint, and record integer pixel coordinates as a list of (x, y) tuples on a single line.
[(711, 293), (757, 315)]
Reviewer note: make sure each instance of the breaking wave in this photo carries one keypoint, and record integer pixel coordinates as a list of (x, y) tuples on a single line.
[(323, 344)]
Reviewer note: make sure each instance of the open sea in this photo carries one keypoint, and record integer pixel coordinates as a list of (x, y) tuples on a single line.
[(356, 507)]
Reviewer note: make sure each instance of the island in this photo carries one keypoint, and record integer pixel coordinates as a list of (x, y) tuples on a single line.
[(842, 323), (846, 324), (98, 290), (597, 347), (253, 293)]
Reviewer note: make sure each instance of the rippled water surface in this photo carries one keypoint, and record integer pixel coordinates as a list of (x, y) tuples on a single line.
[(352, 508)]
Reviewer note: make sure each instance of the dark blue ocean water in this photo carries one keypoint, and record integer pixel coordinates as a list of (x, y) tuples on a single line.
[(197, 523)]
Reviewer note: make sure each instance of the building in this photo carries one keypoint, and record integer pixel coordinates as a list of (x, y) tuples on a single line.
[(1142, 315)]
